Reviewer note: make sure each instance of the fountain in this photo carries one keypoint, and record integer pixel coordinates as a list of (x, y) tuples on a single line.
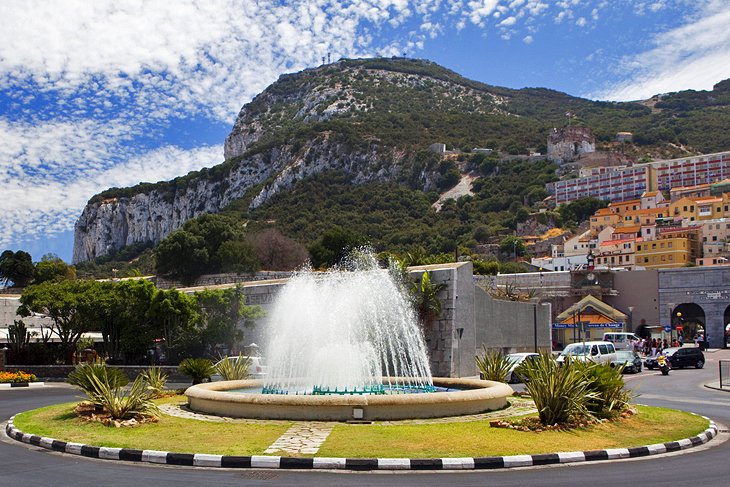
[(345, 344)]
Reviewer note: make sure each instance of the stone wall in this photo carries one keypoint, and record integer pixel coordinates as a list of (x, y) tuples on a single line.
[(511, 326)]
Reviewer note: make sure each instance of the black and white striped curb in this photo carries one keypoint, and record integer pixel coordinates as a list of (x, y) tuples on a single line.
[(206, 460), (12, 385)]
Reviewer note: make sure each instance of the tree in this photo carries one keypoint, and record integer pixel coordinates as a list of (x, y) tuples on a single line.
[(53, 268), (334, 245), (428, 304), (183, 255), (224, 313), (580, 209), (512, 244), (69, 305), (16, 267), (179, 316), (237, 256), (277, 252)]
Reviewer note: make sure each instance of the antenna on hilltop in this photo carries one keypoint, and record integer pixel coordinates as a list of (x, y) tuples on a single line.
[(322, 60), (404, 54), (328, 58)]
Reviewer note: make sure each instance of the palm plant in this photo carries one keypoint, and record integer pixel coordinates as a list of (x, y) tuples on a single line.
[(493, 365), (120, 405), (561, 394), (234, 368), (607, 385), (88, 376), (154, 380), (428, 304), (199, 369)]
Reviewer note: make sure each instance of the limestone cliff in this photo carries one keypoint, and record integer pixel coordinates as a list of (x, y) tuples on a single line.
[(109, 224)]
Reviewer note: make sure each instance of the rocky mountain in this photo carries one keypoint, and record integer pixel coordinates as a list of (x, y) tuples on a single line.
[(374, 119)]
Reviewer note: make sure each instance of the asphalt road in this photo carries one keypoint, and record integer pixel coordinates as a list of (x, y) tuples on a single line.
[(24, 465)]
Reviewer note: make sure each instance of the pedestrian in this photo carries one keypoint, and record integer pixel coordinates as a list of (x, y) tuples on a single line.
[(681, 340), (665, 344)]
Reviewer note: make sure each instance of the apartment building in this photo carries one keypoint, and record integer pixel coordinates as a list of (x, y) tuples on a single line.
[(622, 183), (675, 247), (617, 253)]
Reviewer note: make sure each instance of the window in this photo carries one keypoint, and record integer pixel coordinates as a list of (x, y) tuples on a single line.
[(714, 238), (646, 260), (671, 257), (685, 208), (603, 349), (669, 245), (692, 208), (661, 245)]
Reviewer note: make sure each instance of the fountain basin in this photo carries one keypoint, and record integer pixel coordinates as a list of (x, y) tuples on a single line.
[(473, 397)]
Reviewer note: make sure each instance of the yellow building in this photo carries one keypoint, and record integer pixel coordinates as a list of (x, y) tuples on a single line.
[(677, 247), (623, 207), (702, 208), (603, 218), (646, 216)]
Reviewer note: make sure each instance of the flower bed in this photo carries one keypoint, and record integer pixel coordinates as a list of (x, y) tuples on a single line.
[(17, 377)]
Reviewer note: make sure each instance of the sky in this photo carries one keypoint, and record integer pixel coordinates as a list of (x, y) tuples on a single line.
[(99, 94)]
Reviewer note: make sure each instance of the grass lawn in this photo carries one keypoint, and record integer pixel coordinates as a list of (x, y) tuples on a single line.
[(467, 439), (169, 434)]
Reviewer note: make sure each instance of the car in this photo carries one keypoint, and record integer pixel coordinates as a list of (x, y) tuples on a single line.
[(630, 360), (595, 351), (256, 368), (678, 358), (517, 359)]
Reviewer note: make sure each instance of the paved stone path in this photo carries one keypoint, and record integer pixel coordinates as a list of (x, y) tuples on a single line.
[(305, 437)]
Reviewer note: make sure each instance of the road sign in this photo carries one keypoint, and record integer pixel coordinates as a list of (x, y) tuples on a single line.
[(668, 328)]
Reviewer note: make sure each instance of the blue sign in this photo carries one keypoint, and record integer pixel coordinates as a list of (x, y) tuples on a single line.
[(558, 326), (668, 328)]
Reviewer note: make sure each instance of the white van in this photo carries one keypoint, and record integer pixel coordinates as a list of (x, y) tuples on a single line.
[(621, 340), (601, 352)]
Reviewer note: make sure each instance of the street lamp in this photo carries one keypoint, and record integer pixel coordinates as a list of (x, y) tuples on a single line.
[(679, 324)]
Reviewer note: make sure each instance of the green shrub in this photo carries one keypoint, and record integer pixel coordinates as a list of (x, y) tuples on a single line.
[(199, 369), (88, 376), (493, 365), (234, 368), (607, 386), (120, 405), (561, 394), (154, 380)]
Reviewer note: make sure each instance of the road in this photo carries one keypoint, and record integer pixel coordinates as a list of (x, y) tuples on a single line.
[(708, 465)]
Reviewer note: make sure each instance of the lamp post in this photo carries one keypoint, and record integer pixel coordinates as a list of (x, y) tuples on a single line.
[(678, 326)]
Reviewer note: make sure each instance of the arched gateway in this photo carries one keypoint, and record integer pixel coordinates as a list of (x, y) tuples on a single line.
[(696, 297)]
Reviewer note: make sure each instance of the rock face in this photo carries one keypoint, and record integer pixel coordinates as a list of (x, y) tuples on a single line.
[(108, 225), (266, 151)]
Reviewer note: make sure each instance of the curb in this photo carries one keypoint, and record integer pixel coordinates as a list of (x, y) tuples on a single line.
[(12, 385), (358, 464)]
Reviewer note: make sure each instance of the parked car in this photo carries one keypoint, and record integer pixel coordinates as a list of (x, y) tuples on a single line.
[(596, 351), (622, 340), (517, 359), (630, 360), (679, 357), (256, 368)]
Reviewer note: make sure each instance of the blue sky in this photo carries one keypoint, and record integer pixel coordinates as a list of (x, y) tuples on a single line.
[(95, 94)]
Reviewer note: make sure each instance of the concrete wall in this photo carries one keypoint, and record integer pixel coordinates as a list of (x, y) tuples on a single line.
[(510, 326), (639, 289)]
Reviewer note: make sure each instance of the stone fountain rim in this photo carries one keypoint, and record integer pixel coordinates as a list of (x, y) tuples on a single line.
[(472, 390)]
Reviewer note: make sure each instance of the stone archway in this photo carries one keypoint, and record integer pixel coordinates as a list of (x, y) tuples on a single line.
[(688, 320)]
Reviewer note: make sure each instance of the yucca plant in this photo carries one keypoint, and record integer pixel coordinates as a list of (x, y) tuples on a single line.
[(154, 380), (234, 368), (121, 405), (561, 394), (199, 369), (608, 388), (493, 365), (88, 376)]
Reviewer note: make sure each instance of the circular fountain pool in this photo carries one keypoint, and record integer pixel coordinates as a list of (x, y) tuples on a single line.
[(351, 328), (471, 397)]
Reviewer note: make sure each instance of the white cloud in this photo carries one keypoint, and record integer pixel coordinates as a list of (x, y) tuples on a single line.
[(528, 40), (35, 206), (693, 56)]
